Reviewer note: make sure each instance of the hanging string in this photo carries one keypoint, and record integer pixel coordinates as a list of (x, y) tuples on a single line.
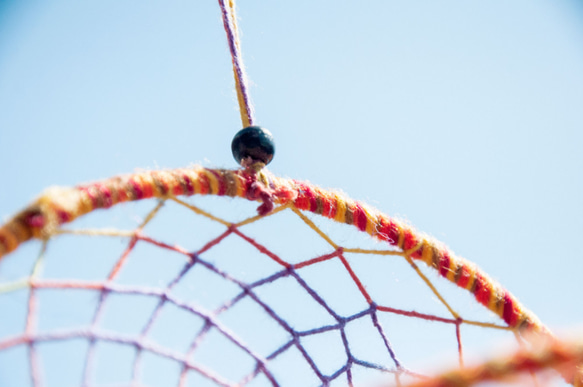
[(230, 23)]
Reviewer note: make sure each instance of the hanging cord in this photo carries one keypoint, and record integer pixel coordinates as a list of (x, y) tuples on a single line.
[(253, 146), (230, 23)]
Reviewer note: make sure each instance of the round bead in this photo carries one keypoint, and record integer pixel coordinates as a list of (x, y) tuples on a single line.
[(254, 144)]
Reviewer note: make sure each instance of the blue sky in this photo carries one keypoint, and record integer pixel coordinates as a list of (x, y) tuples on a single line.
[(462, 118)]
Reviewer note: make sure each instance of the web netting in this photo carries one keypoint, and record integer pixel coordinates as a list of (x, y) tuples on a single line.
[(202, 291)]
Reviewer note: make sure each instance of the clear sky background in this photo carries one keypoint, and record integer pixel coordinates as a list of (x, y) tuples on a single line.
[(464, 118)]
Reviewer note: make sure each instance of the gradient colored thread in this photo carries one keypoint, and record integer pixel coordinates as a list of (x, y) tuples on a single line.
[(141, 343)]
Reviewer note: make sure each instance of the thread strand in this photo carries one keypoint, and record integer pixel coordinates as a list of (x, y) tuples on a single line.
[(230, 24)]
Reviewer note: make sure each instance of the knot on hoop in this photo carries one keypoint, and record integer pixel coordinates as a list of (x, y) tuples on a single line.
[(261, 187), (257, 191), (258, 188)]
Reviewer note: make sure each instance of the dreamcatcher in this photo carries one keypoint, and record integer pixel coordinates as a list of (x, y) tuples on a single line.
[(227, 304)]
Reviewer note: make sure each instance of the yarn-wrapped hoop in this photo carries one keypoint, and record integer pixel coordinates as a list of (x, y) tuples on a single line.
[(58, 206)]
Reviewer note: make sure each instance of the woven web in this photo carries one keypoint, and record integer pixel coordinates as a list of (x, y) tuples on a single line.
[(190, 298)]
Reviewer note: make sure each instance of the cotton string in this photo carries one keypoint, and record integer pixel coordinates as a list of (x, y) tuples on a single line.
[(230, 23)]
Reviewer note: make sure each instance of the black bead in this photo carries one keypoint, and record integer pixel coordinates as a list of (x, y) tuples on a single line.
[(253, 143)]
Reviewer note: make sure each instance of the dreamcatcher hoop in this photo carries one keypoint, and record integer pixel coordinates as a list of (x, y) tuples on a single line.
[(62, 206), (44, 218)]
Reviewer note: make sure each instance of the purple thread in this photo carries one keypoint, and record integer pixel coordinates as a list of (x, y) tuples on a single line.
[(386, 341), (237, 60), (156, 313)]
